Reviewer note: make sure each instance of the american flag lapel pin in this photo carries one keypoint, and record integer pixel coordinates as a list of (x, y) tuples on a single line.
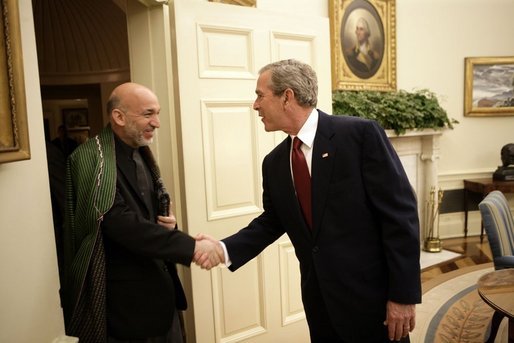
[(325, 155)]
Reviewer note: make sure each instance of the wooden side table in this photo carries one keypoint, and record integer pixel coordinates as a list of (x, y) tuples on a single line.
[(497, 290), (483, 187)]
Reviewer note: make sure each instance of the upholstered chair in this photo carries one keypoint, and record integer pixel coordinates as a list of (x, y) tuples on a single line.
[(499, 227)]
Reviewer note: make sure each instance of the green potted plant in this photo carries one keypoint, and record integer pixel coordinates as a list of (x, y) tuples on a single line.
[(398, 111)]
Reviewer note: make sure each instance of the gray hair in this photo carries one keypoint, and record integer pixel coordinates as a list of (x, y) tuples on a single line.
[(364, 24), (298, 76)]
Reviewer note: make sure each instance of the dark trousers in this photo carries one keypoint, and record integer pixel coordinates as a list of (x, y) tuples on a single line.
[(320, 325), (174, 335), (325, 332)]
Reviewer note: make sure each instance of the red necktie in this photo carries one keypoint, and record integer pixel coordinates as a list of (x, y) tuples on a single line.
[(302, 180)]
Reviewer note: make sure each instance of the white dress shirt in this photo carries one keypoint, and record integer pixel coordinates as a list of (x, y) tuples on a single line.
[(306, 135)]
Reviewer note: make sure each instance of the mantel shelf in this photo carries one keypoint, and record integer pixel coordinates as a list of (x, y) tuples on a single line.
[(414, 133)]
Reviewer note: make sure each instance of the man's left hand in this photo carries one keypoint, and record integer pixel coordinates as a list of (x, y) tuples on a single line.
[(400, 320), (169, 222)]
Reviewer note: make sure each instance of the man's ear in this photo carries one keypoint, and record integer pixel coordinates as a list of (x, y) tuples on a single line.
[(288, 95), (118, 117)]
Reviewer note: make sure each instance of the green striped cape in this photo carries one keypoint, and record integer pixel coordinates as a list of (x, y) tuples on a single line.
[(90, 191)]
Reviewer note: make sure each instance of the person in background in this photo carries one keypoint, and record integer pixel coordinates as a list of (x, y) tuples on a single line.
[(121, 241), (63, 142), (336, 186)]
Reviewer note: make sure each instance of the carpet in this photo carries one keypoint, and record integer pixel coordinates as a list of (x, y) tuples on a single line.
[(453, 312)]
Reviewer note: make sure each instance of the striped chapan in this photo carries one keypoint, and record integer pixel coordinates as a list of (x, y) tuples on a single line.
[(90, 191)]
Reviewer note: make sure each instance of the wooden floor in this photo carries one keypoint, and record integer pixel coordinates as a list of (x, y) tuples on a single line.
[(473, 253)]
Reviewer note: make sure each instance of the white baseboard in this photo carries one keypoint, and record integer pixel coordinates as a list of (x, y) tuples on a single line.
[(454, 180), (451, 225)]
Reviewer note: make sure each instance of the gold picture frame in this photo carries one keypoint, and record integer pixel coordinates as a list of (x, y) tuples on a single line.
[(14, 135), (73, 118), (373, 24), (489, 86), (247, 3)]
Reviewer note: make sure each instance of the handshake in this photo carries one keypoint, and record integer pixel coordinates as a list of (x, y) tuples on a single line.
[(208, 252)]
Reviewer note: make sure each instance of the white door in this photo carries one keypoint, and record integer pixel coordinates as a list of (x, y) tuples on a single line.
[(219, 50)]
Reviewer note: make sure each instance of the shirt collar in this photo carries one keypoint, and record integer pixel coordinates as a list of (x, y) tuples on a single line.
[(308, 130)]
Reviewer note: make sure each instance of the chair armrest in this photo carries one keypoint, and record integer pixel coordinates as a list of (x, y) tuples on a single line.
[(504, 262)]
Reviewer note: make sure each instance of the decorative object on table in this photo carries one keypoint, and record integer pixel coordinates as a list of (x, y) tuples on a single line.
[(432, 243), (399, 111), (505, 172), (489, 86), (363, 44)]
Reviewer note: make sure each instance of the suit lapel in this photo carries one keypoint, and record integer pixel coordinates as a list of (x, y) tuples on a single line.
[(322, 164)]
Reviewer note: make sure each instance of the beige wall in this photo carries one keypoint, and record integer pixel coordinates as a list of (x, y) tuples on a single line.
[(30, 310), (434, 37)]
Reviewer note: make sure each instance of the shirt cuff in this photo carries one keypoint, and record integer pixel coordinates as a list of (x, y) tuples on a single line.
[(225, 253)]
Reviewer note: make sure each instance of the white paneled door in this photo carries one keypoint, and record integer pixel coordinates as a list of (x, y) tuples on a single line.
[(218, 51)]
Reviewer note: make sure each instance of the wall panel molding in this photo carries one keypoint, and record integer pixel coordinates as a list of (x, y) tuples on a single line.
[(230, 158), (290, 295), (216, 52), (239, 315)]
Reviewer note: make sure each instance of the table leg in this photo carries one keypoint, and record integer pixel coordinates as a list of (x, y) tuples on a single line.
[(465, 213), (495, 324), (511, 330)]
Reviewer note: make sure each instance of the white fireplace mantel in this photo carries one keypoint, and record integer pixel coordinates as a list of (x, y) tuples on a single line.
[(419, 154)]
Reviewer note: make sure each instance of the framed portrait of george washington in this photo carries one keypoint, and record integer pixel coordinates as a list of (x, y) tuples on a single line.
[(363, 44), (14, 136)]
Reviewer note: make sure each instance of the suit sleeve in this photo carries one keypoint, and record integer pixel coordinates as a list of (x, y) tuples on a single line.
[(141, 236), (261, 232), (394, 201)]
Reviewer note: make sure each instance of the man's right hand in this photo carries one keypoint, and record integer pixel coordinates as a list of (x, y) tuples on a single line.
[(208, 252)]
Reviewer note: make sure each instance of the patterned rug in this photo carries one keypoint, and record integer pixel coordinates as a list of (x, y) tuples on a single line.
[(453, 312)]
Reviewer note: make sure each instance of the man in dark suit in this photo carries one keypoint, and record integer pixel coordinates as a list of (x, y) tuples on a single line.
[(354, 224), (121, 240)]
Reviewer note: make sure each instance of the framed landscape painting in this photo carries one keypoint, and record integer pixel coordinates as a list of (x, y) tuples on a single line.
[(488, 86)]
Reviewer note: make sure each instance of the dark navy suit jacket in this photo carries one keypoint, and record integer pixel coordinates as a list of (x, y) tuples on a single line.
[(364, 246)]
